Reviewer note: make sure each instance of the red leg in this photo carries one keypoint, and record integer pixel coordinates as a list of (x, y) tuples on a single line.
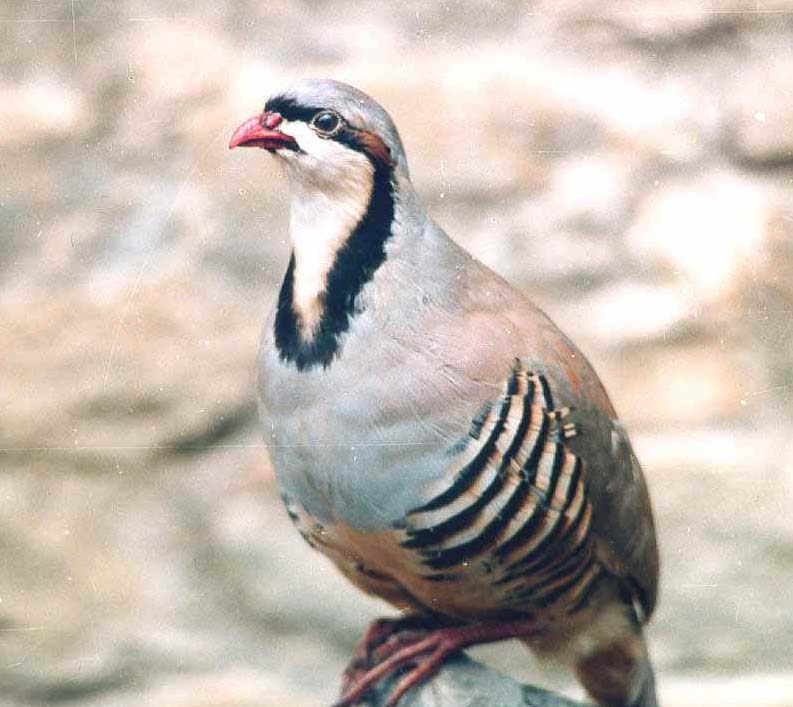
[(379, 632), (427, 653)]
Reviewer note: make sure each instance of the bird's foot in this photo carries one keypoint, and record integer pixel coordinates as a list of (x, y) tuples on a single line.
[(378, 633), (425, 652)]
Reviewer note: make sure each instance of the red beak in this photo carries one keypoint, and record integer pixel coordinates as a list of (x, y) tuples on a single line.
[(261, 131)]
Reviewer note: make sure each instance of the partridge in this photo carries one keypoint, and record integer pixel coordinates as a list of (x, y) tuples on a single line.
[(433, 433)]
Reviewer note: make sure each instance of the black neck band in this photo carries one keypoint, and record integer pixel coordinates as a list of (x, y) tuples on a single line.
[(355, 265)]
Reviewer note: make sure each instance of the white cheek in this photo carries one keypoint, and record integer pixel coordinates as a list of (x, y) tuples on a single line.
[(331, 186), (319, 226), (323, 162)]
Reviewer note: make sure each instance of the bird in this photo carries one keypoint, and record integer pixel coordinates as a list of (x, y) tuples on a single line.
[(432, 431)]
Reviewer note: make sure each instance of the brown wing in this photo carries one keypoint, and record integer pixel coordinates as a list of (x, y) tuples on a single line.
[(623, 520)]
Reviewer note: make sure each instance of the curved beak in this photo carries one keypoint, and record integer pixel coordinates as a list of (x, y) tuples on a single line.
[(262, 131)]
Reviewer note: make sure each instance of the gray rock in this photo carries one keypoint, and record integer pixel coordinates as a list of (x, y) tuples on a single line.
[(466, 683)]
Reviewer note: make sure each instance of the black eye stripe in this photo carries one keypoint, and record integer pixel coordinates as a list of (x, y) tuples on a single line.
[(290, 110), (348, 135)]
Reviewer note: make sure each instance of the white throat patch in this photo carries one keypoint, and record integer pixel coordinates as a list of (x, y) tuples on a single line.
[(331, 187)]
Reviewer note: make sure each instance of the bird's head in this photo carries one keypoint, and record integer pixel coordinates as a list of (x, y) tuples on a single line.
[(324, 133), (347, 172)]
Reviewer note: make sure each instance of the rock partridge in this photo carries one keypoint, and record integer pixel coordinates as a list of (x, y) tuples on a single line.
[(432, 431)]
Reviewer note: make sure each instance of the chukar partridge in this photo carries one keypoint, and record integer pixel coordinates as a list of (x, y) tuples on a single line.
[(433, 433)]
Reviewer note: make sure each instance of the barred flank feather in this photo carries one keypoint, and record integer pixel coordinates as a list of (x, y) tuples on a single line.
[(514, 501)]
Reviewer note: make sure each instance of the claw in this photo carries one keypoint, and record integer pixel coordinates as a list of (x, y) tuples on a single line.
[(426, 653), (371, 678), (370, 649)]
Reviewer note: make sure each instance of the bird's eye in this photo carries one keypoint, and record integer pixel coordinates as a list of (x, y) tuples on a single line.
[(326, 123)]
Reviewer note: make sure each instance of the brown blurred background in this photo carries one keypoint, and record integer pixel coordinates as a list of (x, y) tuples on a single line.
[(628, 164)]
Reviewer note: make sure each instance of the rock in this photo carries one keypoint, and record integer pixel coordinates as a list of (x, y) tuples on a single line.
[(41, 111), (628, 312), (466, 683), (694, 387), (706, 229), (761, 112)]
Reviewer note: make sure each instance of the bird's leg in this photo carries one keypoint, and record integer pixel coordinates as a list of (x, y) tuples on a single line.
[(426, 652), (379, 632)]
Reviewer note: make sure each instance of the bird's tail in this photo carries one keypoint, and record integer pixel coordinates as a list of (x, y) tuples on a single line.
[(612, 662), (647, 696)]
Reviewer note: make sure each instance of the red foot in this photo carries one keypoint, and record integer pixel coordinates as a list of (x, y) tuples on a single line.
[(426, 652), (378, 633)]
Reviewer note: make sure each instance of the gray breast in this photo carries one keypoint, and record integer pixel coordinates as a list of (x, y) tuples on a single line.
[(360, 440)]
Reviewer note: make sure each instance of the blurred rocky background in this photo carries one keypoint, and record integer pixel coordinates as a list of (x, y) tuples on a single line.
[(628, 164)]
